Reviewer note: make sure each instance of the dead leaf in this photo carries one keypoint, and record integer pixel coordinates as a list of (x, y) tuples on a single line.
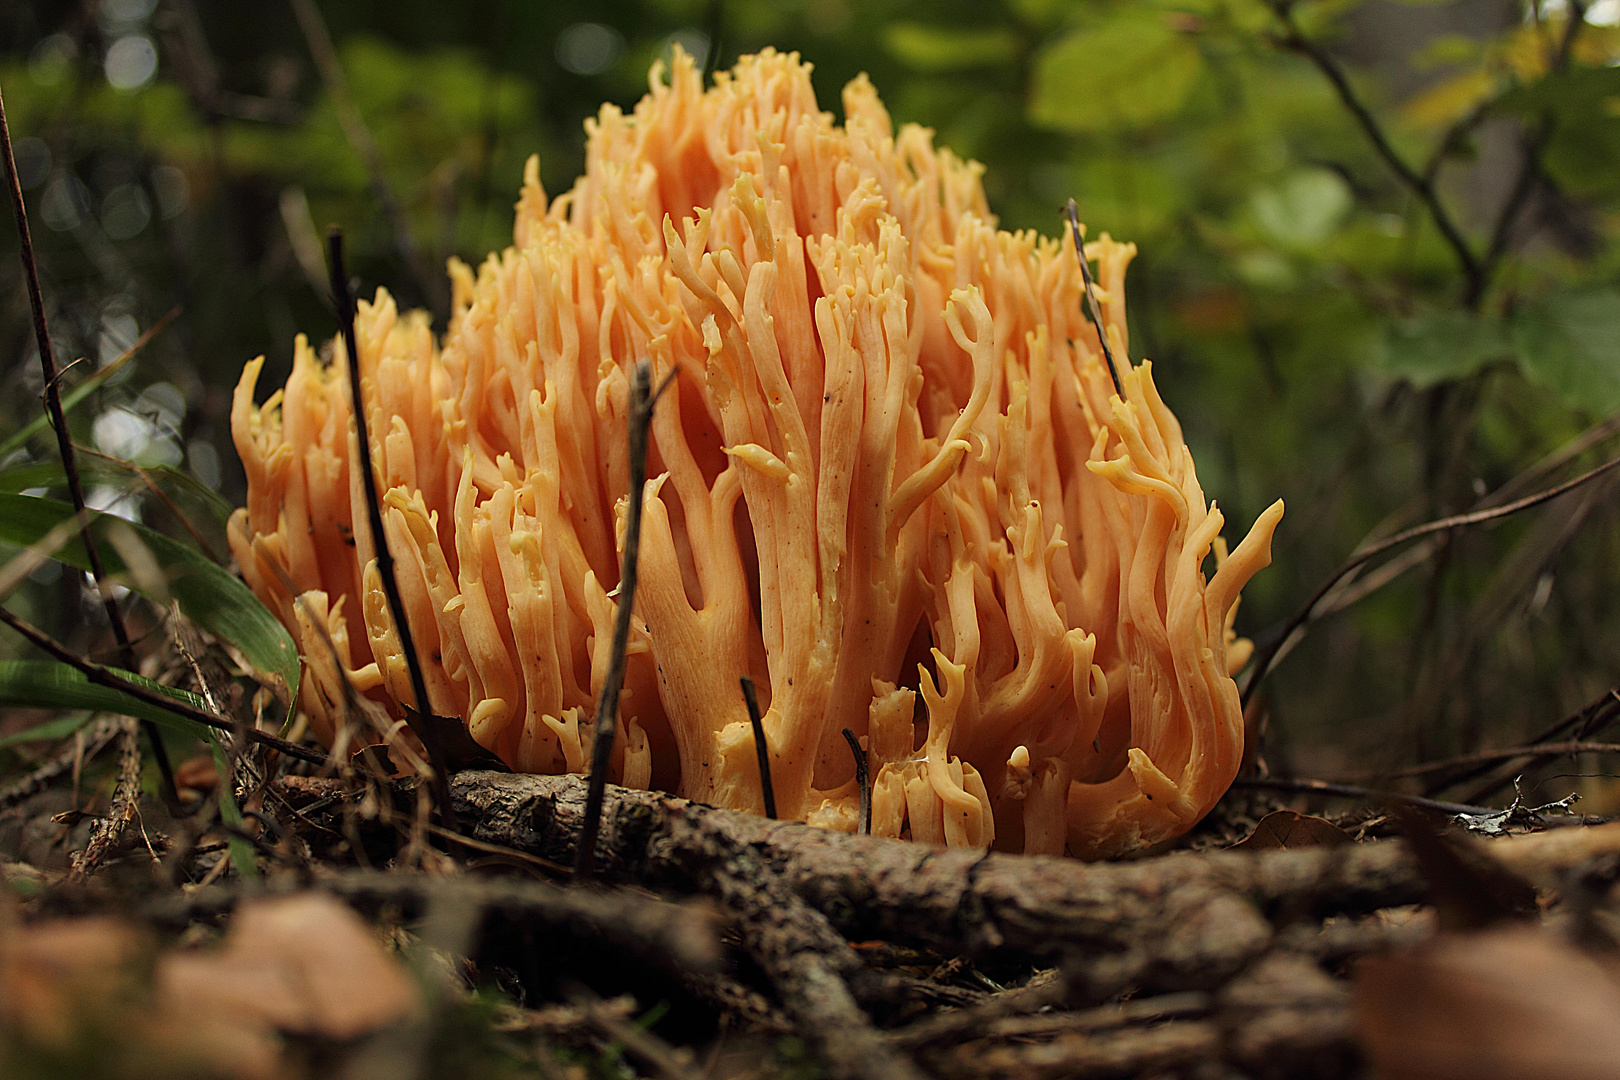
[(295, 965), (1282, 829), (448, 740), (1508, 1004), (53, 975), (302, 964), (198, 774), (1498, 822)]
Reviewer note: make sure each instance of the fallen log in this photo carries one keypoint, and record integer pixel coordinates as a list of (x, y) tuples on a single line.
[(1175, 922)]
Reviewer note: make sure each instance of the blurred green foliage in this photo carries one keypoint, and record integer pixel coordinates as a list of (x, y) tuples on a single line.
[(1317, 331)]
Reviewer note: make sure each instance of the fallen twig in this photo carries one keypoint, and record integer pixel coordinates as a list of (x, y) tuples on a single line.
[(1199, 916), (761, 750), (1073, 213), (109, 828), (64, 443), (1267, 657), (642, 401), (111, 679), (95, 739)]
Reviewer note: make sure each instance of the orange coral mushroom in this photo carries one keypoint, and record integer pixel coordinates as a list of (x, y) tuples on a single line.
[(892, 450)]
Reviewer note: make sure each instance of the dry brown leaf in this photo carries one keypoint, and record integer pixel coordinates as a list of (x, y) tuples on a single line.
[(197, 773), (300, 965), (1507, 1004), (1286, 829), (54, 975), (303, 964)]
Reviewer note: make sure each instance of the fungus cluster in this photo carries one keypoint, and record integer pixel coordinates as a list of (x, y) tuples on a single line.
[(891, 482)]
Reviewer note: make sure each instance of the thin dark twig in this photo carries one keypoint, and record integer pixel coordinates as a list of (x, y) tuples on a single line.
[(324, 53), (1073, 213), (1353, 791), (1495, 757), (1452, 139), (606, 729), (1419, 185), (1585, 724), (862, 780), (64, 444), (1502, 233), (344, 299), (95, 738), (1529, 167), (761, 749), (110, 828), (111, 679), (1263, 663)]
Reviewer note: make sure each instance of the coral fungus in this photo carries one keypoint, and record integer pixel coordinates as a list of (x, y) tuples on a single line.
[(892, 483)]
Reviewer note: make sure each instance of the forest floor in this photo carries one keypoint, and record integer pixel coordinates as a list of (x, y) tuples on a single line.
[(351, 933)]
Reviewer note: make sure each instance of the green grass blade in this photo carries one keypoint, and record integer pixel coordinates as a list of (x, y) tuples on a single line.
[(190, 495), (40, 422), (51, 684), (208, 594), (49, 731), (231, 814)]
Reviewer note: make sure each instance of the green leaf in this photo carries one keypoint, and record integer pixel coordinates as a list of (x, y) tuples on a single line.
[(191, 495), (1127, 72), (49, 731), (1582, 151), (1441, 346), (231, 814), (1304, 209), (209, 595), (939, 48), (1569, 343), (51, 684)]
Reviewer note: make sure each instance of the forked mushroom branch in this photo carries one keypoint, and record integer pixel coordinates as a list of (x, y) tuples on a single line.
[(892, 483)]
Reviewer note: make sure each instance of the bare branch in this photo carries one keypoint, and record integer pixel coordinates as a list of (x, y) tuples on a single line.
[(113, 680), (761, 749), (1421, 185), (1529, 168), (606, 728), (1073, 213), (359, 136), (1307, 614), (64, 441)]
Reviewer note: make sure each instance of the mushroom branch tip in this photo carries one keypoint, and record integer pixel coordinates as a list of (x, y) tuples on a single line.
[(904, 480)]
